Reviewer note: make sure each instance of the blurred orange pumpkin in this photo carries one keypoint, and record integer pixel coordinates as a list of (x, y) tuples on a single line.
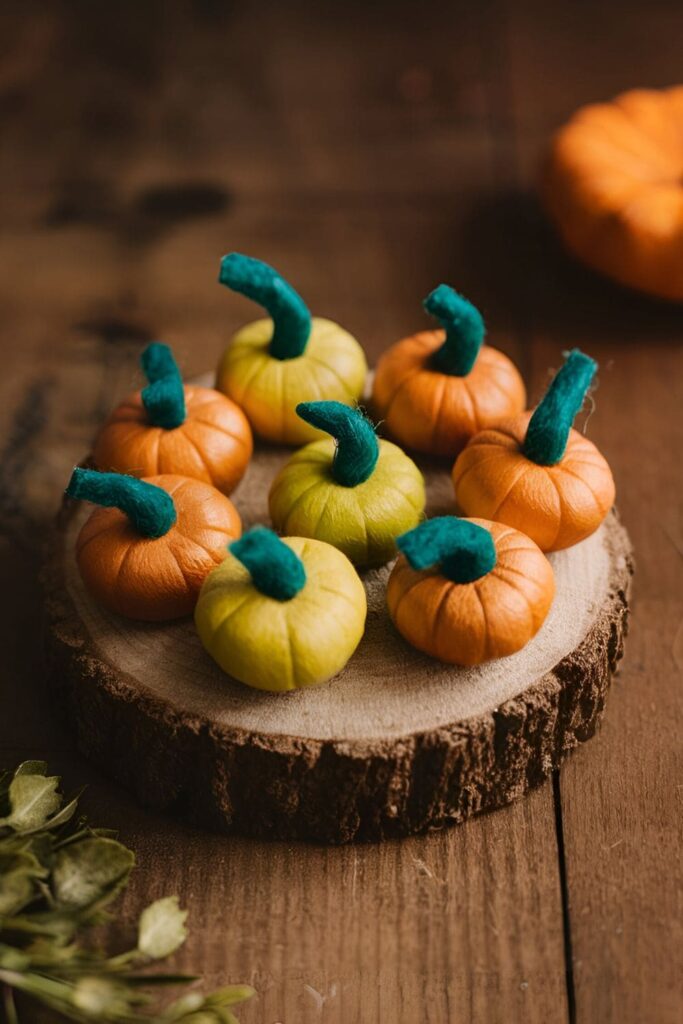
[(613, 184)]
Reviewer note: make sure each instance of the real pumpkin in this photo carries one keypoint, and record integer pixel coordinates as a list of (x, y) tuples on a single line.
[(436, 389), (468, 590), (271, 365), (613, 184), (146, 552), (169, 427), (351, 489), (535, 472), (281, 613)]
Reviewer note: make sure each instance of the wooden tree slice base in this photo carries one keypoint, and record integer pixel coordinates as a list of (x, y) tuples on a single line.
[(397, 743)]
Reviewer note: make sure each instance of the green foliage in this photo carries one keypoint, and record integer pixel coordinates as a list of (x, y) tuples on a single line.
[(58, 876)]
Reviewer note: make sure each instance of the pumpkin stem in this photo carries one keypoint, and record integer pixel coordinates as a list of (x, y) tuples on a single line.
[(357, 446), (289, 313), (150, 508), (464, 551), (164, 396), (274, 568), (464, 328), (548, 430)]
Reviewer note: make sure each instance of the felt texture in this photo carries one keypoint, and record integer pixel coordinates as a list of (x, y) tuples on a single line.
[(363, 521), (467, 621), (357, 448), (274, 568), (333, 366), (462, 550), (288, 311), (164, 396), (464, 329), (149, 508), (548, 432), (283, 645), (147, 577)]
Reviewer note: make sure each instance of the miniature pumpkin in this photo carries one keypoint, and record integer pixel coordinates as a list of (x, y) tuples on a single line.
[(146, 553), (355, 491), (169, 427), (613, 184), (468, 590), (535, 472), (281, 614), (436, 389), (271, 365)]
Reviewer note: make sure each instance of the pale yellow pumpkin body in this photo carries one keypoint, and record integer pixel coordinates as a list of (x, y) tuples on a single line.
[(283, 645), (333, 366)]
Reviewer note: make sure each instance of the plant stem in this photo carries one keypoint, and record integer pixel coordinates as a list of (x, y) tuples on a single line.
[(464, 331), (357, 447), (150, 508), (548, 431), (9, 1006), (275, 569), (463, 551), (164, 396)]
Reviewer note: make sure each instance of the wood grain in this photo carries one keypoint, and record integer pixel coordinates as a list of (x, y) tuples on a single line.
[(369, 156)]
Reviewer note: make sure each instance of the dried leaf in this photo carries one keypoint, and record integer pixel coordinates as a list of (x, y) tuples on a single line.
[(162, 930), (90, 873), (33, 798), (102, 998)]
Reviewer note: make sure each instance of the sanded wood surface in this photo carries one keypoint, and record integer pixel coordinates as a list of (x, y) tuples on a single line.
[(369, 155)]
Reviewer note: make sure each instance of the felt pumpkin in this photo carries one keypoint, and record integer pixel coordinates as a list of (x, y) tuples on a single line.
[(350, 490), (468, 590), (436, 389), (169, 427), (535, 472), (281, 614), (145, 554), (271, 365), (613, 184)]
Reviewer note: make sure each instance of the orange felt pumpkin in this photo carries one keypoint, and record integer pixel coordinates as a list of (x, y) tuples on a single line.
[(146, 554), (436, 389), (613, 184), (535, 472), (169, 427), (468, 590)]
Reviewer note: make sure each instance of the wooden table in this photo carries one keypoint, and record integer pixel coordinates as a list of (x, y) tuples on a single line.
[(369, 151)]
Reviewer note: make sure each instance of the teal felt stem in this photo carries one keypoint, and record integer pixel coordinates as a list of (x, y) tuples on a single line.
[(288, 311), (548, 431), (274, 568), (357, 449), (463, 551), (150, 509), (164, 396), (464, 329)]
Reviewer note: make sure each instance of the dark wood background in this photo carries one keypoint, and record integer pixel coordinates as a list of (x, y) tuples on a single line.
[(369, 150)]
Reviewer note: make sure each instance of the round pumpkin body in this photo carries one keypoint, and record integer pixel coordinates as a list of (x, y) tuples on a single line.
[(157, 578), (437, 413), (362, 521), (490, 617), (613, 184), (557, 505), (212, 444), (282, 645), (332, 366)]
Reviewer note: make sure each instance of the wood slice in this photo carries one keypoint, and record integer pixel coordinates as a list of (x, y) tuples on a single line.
[(396, 743)]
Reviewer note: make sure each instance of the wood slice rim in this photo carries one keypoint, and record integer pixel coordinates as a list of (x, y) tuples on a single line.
[(328, 787)]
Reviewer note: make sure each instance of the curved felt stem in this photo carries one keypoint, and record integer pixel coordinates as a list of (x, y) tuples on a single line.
[(150, 509), (548, 430), (464, 328), (357, 445), (275, 570), (164, 396), (463, 551), (289, 313)]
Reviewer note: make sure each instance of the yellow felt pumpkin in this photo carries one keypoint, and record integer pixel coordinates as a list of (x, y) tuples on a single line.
[(169, 427), (281, 614), (355, 492), (271, 365), (147, 551), (468, 590), (436, 389), (535, 472), (613, 184)]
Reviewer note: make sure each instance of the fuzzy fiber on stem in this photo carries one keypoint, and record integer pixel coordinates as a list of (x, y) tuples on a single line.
[(164, 396), (357, 446), (463, 551), (548, 431), (150, 508), (464, 329), (274, 568)]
